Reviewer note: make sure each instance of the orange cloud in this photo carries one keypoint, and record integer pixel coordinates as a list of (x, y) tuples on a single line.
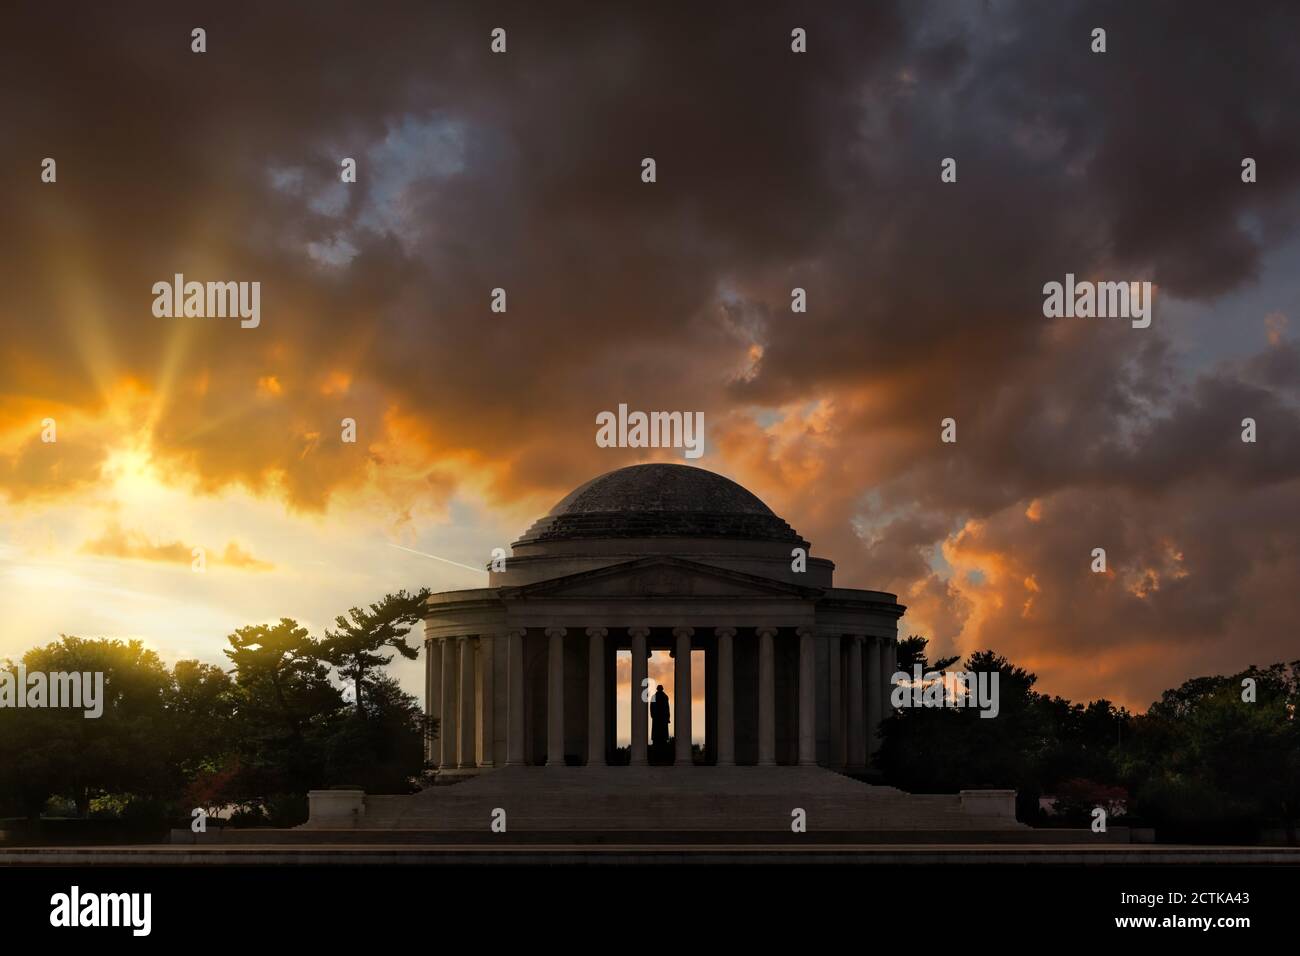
[(117, 542)]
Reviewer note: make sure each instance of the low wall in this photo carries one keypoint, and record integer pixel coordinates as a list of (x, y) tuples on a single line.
[(333, 809)]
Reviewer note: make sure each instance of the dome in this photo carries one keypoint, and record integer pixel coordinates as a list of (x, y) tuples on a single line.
[(658, 501)]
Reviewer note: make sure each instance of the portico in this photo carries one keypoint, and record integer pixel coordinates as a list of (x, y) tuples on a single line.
[(774, 694)]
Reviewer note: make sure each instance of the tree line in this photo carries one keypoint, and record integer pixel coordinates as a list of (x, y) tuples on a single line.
[(1215, 758), (291, 713)]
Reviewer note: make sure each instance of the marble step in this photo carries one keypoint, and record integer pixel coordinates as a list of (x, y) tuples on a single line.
[(670, 798)]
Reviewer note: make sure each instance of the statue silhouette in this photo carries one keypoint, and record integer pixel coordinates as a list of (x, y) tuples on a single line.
[(659, 713)]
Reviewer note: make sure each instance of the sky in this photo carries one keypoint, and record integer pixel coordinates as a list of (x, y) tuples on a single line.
[(774, 170)]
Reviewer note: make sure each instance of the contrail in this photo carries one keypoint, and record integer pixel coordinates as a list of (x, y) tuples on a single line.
[(436, 558)]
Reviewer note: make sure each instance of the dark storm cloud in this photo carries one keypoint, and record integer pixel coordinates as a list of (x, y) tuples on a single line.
[(775, 170)]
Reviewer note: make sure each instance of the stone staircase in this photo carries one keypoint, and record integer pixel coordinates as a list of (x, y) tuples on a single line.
[(663, 799)]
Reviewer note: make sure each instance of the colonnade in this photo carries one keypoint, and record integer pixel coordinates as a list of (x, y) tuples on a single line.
[(461, 692), (459, 689)]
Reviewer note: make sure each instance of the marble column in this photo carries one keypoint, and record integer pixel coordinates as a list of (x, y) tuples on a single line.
[(515, 698), (835, 703), (766, 698), (596, 696), (468, 759), (726, 697), (433, 683), (807, 698), (640, 715), (874, 656), (447, 736), (888, 664), (682, 690), (555, 697), (487, 700), (857, 705)]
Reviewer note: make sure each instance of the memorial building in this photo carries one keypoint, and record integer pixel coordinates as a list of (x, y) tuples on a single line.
[(659, 557), (521, 675)]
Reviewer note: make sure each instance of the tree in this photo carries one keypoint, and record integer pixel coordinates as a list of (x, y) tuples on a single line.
[(912, 650), (200, 704), (281, 673), (60, 752), (285, 708), (384, 753), (354, 647), (1205, 762), (946, 749)]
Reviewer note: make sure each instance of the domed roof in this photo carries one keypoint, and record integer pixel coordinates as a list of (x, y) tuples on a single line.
[(656, 501)]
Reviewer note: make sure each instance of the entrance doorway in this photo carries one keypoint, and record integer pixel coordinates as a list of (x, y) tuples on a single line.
[(660, 668)]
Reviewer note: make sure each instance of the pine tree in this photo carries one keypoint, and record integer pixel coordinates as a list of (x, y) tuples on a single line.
[(353, 648)]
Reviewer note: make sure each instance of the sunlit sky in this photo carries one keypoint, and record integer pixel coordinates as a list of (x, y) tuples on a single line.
[(775, 170)]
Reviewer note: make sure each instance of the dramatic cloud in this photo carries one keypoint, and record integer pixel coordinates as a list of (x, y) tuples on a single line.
[(117, 542), (775, 170)]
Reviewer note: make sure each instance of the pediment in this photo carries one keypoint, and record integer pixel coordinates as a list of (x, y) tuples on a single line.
[(661, 577)]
